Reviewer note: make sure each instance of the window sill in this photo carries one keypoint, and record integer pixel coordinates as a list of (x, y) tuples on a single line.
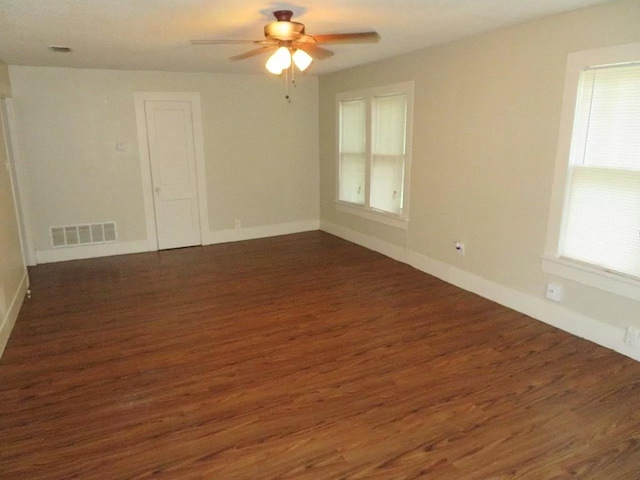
[(593, 276), (373, 215)]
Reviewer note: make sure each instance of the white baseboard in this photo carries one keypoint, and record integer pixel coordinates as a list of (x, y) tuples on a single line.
[(10, 317), (397, 253), (577, 324), (221, 236), (91, 251), (250, 233)]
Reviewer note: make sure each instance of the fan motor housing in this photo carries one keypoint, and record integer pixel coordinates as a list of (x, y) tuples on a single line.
[(285, 31)]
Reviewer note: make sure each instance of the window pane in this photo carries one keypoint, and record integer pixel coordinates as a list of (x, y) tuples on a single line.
[(387, 176), (602, 218), (353, 126), (353, 146), (387, 169), (390, 125), (352, 175), (608, 118)]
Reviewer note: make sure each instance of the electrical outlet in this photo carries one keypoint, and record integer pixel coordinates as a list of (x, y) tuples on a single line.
[(238, 223), (459, 246), (554, 292), (632, 338)]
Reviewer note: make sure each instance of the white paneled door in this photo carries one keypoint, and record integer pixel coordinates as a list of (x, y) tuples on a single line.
[(170, 136)]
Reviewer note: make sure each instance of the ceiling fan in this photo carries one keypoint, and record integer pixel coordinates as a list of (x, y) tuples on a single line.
[(292, 44)]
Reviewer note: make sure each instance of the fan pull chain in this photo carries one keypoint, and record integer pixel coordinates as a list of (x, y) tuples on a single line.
[(287, 96), (293, 76), (286, 82)]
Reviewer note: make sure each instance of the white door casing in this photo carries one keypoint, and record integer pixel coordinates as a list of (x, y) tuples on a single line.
[(19, 179), (172, 165)]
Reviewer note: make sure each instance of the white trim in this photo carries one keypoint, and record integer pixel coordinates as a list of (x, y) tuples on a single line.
[(593, 276), (380, 217), (63, 254), (596, 331), (145, 170), (240, 234), (398, 253), (368, 94), (201, 170), (20, 182), (10, 317), (552, 263), (145, 164)]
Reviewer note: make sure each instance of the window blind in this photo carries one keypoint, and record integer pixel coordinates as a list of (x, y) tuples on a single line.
[(387, 168), (353, 151), (602, 213)]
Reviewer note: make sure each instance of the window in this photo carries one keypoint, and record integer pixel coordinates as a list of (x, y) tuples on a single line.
[(598, 231), (602, 215), (374, 131)]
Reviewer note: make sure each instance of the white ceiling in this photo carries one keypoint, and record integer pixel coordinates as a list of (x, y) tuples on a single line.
[(155, 34)]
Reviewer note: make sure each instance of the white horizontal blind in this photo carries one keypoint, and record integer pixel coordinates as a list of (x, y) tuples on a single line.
[(602, 213), (352, 151), (387, 169)]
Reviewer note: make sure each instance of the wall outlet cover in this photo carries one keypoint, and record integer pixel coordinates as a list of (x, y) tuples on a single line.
[(554, 292), (632, 337)]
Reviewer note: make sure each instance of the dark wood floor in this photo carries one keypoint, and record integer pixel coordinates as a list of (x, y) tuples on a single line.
[(299, 357)]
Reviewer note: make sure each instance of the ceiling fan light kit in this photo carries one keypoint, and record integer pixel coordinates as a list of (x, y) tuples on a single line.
[(302, 59), (291, 44), (282, 59), (279, 61)]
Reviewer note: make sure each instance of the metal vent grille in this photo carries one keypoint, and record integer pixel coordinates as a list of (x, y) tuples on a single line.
[(74, 235)]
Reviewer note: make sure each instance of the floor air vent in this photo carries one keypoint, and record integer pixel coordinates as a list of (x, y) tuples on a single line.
[(75, 235)]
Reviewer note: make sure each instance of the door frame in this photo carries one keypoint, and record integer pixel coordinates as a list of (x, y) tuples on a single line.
[(145, 160), (19, 180)]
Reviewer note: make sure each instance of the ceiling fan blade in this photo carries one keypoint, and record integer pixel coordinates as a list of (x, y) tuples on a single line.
[(252, 53), (315, 51), (305, 39), (229, 42), (361, 37)]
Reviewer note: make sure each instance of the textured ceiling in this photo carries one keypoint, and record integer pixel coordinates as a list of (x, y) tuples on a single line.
[(155, 34)]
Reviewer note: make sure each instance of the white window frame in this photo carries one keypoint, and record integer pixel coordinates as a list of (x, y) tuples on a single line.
[(552, 262), (366, 211)]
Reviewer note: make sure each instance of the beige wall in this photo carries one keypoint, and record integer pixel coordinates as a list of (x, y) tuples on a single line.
[(5, 84), (487, 111), (261, 152), (11, 265)]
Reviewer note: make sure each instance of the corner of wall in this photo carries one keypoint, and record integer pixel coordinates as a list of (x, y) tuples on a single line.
[(11, 316), (582, 326)]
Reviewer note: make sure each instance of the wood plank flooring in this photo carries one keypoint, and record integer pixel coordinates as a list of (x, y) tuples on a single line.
[(299, 357)]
